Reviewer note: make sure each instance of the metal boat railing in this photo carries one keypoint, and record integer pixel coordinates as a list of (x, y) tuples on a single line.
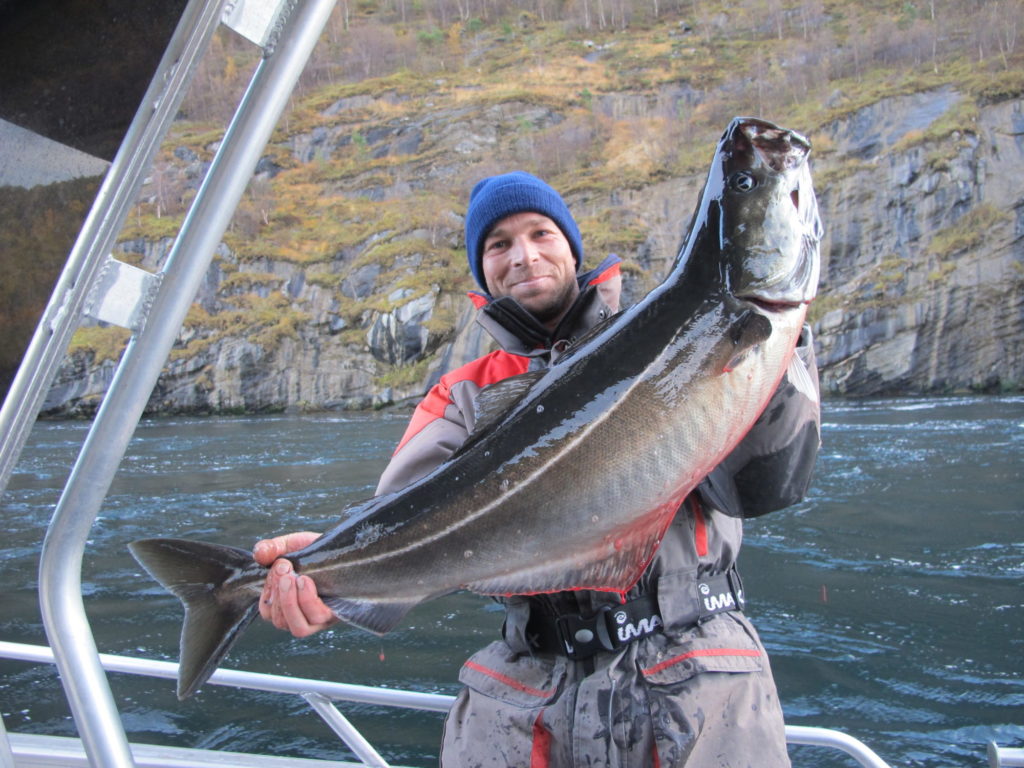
[(80, 278), (1005, 757), (321, 695)]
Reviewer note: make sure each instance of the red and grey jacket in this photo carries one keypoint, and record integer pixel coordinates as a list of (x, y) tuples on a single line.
[(524, 704)]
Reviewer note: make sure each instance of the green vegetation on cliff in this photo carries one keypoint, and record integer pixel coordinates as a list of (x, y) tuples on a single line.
[(690, 65)]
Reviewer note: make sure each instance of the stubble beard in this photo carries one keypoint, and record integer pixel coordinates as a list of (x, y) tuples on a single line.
[(552, 309)]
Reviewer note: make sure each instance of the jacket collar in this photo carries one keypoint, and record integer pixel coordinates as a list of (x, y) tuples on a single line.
[(520, 333)]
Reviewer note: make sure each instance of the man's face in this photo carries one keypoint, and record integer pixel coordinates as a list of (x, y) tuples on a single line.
[(527, 257)]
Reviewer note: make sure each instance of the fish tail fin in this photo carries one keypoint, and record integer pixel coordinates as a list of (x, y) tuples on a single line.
[(218, 606)]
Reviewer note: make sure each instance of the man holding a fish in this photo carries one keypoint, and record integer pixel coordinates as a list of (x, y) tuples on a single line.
[(668, 672)]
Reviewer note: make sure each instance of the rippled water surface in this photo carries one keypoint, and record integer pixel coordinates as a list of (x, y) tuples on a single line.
[(890, 600)]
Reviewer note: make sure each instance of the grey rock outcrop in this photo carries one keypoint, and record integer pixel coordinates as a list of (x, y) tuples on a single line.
[(399, 337)]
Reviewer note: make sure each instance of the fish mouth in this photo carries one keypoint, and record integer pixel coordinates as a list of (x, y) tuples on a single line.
[(779, 149), (769, 306)]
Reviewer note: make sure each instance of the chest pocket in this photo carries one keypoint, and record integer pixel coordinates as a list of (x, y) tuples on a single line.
[(720, 645), (521, 681)]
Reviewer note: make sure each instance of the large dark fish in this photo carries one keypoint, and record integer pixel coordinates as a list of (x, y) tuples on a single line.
[(572, 475)]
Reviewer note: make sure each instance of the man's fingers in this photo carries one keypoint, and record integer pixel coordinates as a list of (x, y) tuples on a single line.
[(267, 551), (284, 606), (313, 608), (301, 610), (279, 581), (277, 602), (290, 602)]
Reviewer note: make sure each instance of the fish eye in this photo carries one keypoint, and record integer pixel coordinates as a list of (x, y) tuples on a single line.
[(742, 181)]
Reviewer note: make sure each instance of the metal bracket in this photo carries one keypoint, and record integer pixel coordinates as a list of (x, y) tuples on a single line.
[(348, 732), (122, 295), (260, 21)]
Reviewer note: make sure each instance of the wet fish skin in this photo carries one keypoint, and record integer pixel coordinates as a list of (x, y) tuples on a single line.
[(573, 474)]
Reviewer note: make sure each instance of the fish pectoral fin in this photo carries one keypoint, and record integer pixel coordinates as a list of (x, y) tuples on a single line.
[(377, 616), (750, 330), (495, 401)]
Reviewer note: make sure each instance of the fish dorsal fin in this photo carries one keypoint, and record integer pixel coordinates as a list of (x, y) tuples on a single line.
[(496, 400)]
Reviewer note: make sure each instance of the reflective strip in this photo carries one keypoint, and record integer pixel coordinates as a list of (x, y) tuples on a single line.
[(699, 652), (700, 527), (540, 754), (510, 682)]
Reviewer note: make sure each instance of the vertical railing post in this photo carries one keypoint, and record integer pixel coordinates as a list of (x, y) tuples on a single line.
[(63, 610), (6, 754)]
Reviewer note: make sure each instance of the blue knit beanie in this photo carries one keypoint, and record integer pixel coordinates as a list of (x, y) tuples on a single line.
[(496, 197)]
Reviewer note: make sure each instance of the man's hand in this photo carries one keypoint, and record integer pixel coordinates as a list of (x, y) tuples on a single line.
[(290, 601)]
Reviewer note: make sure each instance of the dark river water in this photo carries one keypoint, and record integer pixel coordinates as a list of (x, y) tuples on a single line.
[(890, 600)]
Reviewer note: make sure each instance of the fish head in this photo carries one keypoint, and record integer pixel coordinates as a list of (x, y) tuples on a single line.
[(768, 225)]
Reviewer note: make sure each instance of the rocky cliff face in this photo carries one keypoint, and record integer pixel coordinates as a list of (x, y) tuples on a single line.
[(923, 258), (922, 261)]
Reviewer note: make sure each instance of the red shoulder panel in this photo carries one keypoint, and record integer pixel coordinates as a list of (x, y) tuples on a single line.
[(607, 274), (483, 371)]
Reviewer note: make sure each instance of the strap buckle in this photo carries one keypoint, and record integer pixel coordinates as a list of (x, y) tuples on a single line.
[(611, 628), (583, 636)]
